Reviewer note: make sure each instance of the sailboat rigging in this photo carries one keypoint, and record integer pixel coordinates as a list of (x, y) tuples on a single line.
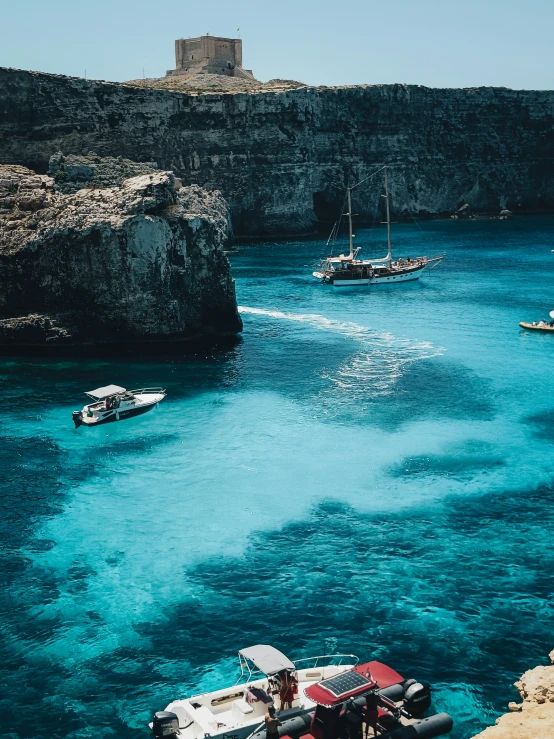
[(348, 271)]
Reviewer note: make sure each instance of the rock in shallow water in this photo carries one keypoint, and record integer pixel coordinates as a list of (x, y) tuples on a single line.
[(143, 261)]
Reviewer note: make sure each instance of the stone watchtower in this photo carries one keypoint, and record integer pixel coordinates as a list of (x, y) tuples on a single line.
[(209, 55)]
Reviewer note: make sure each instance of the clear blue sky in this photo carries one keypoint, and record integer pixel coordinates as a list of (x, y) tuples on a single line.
[(429, 42)]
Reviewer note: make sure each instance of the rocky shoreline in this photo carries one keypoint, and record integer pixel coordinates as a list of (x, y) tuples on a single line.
[(93, 256), (533, 717)]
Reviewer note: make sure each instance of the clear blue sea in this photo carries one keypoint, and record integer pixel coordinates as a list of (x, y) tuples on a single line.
[(368, 471)]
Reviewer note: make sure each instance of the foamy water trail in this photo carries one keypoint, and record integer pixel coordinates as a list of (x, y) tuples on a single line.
[(378, 364)]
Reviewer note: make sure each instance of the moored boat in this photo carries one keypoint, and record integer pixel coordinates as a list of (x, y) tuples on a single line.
[(347, 270), (538, 326), (114, 403), (328, 698)]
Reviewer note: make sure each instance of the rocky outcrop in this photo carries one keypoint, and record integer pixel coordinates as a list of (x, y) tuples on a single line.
[(142, 261), (534, 716), (76, 172), (281, 159), (210, 83)]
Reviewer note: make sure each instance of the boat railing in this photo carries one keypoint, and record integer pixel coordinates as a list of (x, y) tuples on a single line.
[(328, 660), (248, 674), (147, 390)]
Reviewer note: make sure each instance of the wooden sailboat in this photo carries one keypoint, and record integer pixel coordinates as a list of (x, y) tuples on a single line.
[(348, 271)]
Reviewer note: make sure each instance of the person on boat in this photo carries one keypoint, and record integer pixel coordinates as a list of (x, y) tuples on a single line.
[(350, 724), (371, 713), (329, 722), (272, 723), (273, 684), (288, 689), (255, 695)]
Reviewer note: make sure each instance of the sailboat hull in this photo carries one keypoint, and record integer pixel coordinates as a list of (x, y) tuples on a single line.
[(407, 276), (394, 277), (364, 281)]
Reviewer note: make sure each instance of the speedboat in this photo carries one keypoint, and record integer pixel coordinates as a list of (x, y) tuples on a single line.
[(114, 403), (538, 325), (330, 693)]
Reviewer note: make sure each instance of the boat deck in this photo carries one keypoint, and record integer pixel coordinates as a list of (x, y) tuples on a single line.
[(225, 712)]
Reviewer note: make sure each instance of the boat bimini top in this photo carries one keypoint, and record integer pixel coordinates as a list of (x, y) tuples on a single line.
[(262, 658), (104, 392)]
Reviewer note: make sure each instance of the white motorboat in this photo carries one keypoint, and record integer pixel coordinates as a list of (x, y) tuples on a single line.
[(324, 699), (347, 270), (114, 403), (226, 714)]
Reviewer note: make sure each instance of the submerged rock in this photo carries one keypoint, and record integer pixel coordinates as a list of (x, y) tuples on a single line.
[(534, 716), (142, 261)]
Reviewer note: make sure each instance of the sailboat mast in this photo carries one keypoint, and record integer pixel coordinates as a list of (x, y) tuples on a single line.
[(389, 254), (350, 225)]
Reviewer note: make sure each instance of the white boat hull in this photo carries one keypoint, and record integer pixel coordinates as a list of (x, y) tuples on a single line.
[(223, 714), (352, 283), (402, 277), (408, 276), (96, 414)]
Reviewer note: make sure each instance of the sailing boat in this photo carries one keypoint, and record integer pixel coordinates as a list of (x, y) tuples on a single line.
[(348, 271)]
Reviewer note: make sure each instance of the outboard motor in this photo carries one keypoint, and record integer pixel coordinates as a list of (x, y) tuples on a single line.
[(77, 418), (417, 697), (165, 723)]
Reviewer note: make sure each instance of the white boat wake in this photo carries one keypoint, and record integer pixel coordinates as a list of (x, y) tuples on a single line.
[(379, 363)]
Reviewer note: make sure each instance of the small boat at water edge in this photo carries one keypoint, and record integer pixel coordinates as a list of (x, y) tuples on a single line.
[(327, 697), (538, 326), (114, 403)]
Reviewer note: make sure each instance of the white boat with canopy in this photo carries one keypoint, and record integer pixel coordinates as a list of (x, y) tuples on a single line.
[(237, 711), (114, 403), (347, 270), (323, 697)]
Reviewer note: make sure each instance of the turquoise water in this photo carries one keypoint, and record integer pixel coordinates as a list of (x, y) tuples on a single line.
[(367, 471)]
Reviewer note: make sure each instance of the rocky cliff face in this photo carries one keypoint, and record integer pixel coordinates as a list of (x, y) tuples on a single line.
[(281, 159), (533, 718), (142, 261)]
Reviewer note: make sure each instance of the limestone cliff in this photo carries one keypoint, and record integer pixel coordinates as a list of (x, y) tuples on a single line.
[(140, 262), (533, 718), (281, 159)]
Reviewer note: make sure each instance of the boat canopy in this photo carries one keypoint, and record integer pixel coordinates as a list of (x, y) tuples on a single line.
[(103, 392), (267, 659)]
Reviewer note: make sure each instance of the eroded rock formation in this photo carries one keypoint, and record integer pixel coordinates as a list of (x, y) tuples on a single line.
[(142, 261), (74, 172), (281, 159), (533, 718)]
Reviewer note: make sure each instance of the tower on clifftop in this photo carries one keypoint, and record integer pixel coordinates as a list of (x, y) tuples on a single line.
[(209, 55)]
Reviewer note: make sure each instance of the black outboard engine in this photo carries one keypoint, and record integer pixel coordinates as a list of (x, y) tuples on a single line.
[(77, 418), (164, 724), (417, 697)]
